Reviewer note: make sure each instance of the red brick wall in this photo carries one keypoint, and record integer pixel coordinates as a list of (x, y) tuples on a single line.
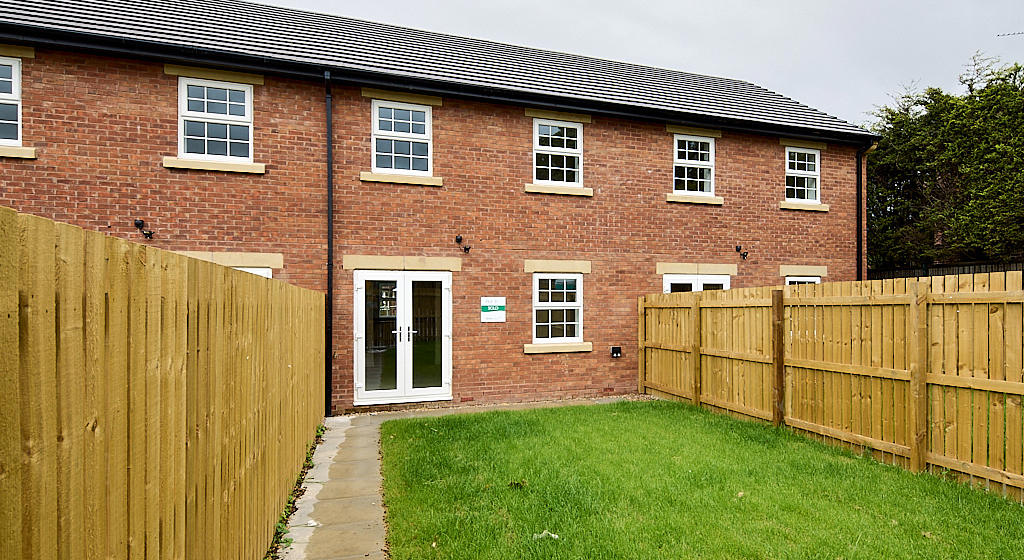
[(102, 127)]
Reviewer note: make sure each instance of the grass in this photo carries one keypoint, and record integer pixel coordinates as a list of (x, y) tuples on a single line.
[(666, 480)]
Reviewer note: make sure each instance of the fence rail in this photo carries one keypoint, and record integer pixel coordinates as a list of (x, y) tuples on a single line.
[(151, 405), (926, 372)]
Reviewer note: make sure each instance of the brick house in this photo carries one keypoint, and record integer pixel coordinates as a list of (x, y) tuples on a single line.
[(491, 212)]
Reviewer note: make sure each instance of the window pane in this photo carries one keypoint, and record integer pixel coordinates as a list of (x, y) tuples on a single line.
[(6, 86), (214, 130), (402, 148), (419, 148), (195, 128), (542, 174), (236, 96), (217, 148), (401, 126), (402, 115), (543, 331), (196, 92), (239, 149), (570, 330), (8, 112), (419, 116), (384, 162), (239, 132), (384, 125), (6, 71), (237, 110), (197, 106), (543, 316), (217, 94), (195, 146), (384, 113), (542, 159), (8, 131), (418, 128), (384, 147), (402, 163), (545, 284), (419, 164), (217, 108), (557, 330)]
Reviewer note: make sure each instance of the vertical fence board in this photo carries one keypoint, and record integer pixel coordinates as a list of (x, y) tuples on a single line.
[(10, 386)]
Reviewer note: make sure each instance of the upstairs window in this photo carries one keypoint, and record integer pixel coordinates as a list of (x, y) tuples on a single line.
[(557, 152), (694, 165), (803, 174), (557, 308), (10, 101), (401, 138), (215, 120)]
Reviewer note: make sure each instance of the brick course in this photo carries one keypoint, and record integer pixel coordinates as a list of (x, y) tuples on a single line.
[(103, 125)]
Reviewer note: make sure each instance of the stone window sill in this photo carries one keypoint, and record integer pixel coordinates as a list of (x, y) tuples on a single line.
[(809, 206), (401, 179), (558, 348), (556, 189), (695, 199), (179, 163), (17, 152)]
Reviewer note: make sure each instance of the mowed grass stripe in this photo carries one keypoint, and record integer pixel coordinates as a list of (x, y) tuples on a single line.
[(666, 480)]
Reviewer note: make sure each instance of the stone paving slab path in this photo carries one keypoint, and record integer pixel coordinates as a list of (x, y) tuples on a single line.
[(341, 514)]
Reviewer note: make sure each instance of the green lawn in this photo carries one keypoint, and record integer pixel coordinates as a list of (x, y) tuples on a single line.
[(665, 480)]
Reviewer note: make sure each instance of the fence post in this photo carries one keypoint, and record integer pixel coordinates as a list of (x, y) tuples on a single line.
[(695, 330), (778, 359), (641, 352), (918, 405)]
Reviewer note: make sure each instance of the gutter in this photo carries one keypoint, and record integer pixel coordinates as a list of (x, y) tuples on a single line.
[(150, 50), (329, 311)]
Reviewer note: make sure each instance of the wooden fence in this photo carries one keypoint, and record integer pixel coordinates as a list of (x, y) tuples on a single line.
[(926, 373), (151, 405)]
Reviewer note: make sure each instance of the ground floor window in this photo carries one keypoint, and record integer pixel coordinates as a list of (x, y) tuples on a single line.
[(797, 280), (675, 283), (557, 308)]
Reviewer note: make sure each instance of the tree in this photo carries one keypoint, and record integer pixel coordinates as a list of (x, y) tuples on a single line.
[(946, 183)]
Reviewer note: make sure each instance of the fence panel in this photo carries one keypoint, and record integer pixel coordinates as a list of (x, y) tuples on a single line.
[(154, 406), (924, 373)]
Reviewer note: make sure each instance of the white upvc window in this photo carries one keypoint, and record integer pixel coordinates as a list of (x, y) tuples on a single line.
[(401, 138), (694, 165), (803, 175), (557, 153), (10, 101), (675, 283), (214, 120), (557, 308), (797, 280)]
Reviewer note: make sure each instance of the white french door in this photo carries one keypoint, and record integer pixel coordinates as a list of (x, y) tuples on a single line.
[(403, 336)]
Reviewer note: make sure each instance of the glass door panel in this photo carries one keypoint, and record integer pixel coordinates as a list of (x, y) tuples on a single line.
[(380, 350), (426, 334)]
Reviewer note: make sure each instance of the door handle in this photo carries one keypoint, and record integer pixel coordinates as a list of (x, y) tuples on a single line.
[(399, 331), (411, 332)]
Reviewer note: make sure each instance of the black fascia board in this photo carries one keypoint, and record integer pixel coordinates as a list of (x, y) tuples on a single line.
[(165, 52)]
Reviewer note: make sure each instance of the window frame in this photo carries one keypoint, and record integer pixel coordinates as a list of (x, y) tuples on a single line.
[(184, 114), (538, 305), (816, 174), (376, 133), (698, 281), (676, 162), (798, 280), (538, 149), (13, 97)]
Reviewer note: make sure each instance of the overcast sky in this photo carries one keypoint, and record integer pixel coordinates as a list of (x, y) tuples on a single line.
[(843, 57)]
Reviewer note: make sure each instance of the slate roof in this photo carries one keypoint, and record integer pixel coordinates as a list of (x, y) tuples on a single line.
[(236, 28)]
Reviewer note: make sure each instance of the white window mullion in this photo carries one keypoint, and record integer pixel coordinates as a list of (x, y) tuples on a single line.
[(10, 101), (215, 120), (694, 165), (402, 138)]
